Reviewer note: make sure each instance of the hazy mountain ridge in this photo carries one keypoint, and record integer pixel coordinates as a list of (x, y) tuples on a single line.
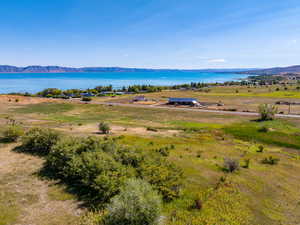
[(59, 69), (276, 71)]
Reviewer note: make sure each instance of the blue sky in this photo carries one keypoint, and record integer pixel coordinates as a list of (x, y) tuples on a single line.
[(150, 33)]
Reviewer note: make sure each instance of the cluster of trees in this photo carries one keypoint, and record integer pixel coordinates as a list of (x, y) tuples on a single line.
[(265, 79), (143, 88), (97, 91), (129, 183), (192, 85), (57, 93)]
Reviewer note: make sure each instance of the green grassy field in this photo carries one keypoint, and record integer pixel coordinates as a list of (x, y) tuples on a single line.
[(261, 194)]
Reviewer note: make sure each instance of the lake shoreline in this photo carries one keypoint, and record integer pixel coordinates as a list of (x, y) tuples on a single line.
[(35, 82)]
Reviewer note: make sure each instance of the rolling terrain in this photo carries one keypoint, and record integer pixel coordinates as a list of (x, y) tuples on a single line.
[(257, 193)]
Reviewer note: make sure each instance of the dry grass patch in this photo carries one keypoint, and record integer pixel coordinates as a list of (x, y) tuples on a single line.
[(27, 195)]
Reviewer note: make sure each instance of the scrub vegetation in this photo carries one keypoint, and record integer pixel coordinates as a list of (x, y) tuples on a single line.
[(167, 167)]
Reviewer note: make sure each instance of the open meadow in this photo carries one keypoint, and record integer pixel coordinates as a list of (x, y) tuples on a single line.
[(239, 98), (236, 170)]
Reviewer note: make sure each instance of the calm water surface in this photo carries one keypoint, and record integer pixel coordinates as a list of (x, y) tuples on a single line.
[(34, 82)]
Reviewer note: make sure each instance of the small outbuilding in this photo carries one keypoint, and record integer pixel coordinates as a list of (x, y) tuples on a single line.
[(139, 98), (87, 95), (184, 101)]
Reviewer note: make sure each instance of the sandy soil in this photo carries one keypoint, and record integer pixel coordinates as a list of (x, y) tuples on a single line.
[(92, 129), (22, 100)]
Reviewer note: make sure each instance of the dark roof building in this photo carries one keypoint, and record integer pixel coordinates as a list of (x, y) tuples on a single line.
[(87, 94), (183, 101)]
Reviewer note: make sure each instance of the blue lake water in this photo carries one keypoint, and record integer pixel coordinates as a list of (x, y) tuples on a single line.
[(34, 82)]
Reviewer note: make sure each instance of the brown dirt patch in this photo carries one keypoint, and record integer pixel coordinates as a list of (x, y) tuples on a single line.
[(17, 175), (23, 100)]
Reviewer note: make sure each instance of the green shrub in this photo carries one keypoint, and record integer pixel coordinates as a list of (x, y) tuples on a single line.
[(152, 129), (137, 204), (82, 161), (164, 151), (86, 99), (61, 153), (91, 218), (11, 133), (199, 154), (69, 147), (263, 129), (163, 175), (99, 173), (39, 140), (231, 165), (100, 167), (270, 160), (267, 112), (104, 128), (129, 157), (246, 163), (260, 148)]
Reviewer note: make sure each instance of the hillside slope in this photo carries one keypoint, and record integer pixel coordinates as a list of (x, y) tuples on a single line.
[(275, 70)]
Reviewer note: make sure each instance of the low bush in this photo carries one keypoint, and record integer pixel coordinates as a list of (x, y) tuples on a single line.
[(267, 112), (231, 165), (39, 140), (260, 149), (164, 151), (11, 133), (163, 175), (136, 204), (152, 129), (270, 160), (83, 161), (86, 99), (101, 167), (104, 128), (230, 110), (199, 154), (263, 129), (246, 163), (197, 204)]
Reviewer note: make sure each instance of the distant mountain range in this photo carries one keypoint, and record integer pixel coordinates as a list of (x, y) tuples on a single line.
[(59, 69), (275, 71)]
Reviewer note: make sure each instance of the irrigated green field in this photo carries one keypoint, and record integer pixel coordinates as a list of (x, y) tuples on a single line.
[(257, 194)]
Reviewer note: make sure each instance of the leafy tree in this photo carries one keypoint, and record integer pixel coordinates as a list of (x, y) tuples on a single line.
[(137, 204), (49, 92), (267, 112)]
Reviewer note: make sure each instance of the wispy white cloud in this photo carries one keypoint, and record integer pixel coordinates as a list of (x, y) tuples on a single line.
[(216, 60)]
